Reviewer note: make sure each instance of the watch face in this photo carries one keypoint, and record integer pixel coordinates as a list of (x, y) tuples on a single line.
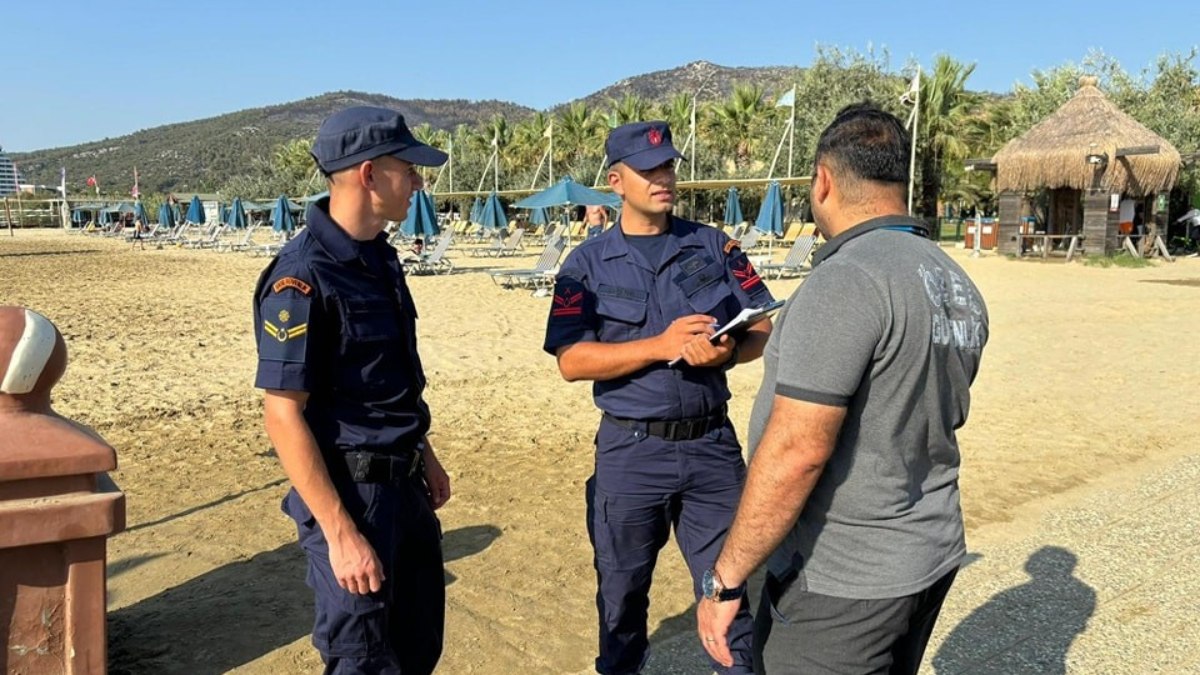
[(707, 585)]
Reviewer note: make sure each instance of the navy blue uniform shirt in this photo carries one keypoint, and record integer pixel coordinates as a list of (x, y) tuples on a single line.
[(333, 317), (608, 292)]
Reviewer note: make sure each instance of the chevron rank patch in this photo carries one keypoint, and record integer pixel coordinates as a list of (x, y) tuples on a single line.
[(283, 333)]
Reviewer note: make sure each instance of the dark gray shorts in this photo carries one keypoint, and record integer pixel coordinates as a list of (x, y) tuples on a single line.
[(800, 632)]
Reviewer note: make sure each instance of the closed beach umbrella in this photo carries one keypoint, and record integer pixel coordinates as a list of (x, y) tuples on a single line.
[(282, 219), (166, 216), (493, 217), (477, 211), (421, 220), (770, 216), (733, 208), (195, 212), (237, 215)]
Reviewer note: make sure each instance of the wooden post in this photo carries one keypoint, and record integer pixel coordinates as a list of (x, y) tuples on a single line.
[(1009, 223), (1099, 234)]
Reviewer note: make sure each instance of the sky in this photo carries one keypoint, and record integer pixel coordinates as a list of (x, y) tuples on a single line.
[(86, 70)]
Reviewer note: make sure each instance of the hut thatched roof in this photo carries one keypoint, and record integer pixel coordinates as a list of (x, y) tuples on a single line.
[(1053, 154)]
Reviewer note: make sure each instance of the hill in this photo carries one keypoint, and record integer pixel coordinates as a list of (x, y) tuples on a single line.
[(718, 82), (200, 155)]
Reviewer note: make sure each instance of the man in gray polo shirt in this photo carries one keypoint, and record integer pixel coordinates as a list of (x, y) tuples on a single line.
[(852, 493)]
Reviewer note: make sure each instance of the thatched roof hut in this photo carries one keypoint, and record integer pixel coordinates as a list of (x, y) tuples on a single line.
[(1054, 153)]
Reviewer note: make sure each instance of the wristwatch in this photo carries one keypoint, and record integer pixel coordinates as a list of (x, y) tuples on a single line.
[(713, 589)]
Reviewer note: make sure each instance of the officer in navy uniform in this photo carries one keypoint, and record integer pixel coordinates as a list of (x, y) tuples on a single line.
[(336, 331), (627, 303)]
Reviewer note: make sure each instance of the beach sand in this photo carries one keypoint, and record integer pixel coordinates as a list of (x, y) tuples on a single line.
[(1090, 376)]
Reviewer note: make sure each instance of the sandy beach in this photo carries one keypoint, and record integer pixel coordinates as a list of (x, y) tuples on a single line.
[(1088, 386)]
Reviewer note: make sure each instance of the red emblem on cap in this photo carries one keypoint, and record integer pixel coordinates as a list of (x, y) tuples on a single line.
[(654, 136)]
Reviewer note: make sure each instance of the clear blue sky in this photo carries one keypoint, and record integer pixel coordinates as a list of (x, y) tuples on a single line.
[(83, 70)]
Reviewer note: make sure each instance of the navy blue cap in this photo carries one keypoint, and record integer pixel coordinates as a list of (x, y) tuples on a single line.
[(642, 145), (354, 135)]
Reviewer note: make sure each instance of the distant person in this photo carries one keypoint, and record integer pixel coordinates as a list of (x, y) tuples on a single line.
[(344, 404), (596, 218), (852, 495), (417, 250)]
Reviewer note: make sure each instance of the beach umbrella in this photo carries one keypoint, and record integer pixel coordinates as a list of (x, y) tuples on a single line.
[(770, 216), (237, 215), (421, 220), (567, 192), (492, 216), (78, 217), (539, 217), (733, 207), (103, 218), (166, 216), (282, 219), (139, 214), (195, 212), (317, 197), (477, 211)]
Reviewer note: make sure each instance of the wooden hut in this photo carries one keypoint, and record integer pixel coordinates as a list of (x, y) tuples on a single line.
[(1097, 165)]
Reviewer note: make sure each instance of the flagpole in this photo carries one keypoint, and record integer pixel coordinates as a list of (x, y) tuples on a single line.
[(912, 160), (552, 151), (792, 137)]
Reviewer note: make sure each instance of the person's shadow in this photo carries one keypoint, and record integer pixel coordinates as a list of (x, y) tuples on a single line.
[(234, 614), (1026, 629)]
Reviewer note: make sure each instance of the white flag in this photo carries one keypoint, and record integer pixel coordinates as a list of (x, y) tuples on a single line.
[(788, 100), (549, 130)]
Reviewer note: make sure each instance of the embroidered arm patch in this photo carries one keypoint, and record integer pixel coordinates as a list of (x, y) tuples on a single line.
[(745, 275), (283, 333)]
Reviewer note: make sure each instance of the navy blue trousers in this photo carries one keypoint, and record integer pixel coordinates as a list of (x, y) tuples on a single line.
[(398, 630), (644, 486)]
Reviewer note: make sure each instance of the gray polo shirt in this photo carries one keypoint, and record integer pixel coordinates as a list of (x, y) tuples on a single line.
[(891, 328)]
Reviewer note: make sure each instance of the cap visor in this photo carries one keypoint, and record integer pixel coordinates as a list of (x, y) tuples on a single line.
[(648, 159), (422, 155)]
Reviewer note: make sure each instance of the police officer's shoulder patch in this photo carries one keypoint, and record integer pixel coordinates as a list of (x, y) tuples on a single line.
[(283, 333), (731, 245), (745, 275), (284, 303), (291, 282)]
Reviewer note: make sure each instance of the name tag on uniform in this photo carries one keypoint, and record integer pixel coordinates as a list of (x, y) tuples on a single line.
[(624, 293)]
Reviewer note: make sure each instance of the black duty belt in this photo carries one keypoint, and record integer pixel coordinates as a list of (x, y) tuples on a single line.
[(373, 467), (686, 429)]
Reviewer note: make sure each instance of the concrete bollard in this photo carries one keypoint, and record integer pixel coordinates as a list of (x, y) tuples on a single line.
[(57, 507)]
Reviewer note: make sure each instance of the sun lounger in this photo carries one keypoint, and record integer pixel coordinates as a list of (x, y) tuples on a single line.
[(538, 274), (795, 262)]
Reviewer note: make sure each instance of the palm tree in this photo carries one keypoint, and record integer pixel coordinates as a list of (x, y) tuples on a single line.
[(677, 112), (529, 140), (580, 133), (631, 108), (946, 107), (733, 122)]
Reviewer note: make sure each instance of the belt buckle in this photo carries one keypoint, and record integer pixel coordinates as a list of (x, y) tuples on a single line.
[(362, 467)]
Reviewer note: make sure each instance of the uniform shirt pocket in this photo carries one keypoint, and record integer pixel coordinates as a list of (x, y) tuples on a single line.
[(622, 311), (705, 289), (372, 320)]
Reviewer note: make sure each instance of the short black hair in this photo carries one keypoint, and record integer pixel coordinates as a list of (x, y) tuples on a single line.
[(866, 142)]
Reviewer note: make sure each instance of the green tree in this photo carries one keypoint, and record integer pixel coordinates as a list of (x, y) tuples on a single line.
[(946, 107)]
